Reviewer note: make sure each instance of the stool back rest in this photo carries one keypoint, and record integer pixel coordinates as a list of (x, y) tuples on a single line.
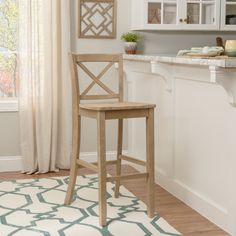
[(79, 60)]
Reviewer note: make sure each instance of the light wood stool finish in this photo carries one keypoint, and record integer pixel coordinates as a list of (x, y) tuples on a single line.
[(106, 111)]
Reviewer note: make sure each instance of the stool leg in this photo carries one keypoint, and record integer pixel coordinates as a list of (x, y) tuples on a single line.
[(119, 152), (75, 155), (150, 163), (102, 167)]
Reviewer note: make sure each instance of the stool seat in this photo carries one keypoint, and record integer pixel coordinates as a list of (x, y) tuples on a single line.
[(114, 106)]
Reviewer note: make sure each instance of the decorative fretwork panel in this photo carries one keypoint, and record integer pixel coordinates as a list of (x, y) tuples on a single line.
[(97, 18)]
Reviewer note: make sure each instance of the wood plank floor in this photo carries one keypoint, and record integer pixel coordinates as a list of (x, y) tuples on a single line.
[(180, 216)]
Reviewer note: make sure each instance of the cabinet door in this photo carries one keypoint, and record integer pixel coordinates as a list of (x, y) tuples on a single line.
[(177, 14), (228, 14), (161, 14), (201, 14)]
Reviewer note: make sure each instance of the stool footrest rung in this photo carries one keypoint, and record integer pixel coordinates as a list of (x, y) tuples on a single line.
[(127, 177), (88, 165), (93, 165), (133, 160)]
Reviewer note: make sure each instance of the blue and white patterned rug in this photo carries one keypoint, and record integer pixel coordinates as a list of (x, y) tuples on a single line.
[(35, 207)]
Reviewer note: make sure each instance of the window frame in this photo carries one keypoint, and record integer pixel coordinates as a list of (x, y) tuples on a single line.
[(9, 104)]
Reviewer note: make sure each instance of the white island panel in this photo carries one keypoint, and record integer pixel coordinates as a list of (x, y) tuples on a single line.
[(195, 146)]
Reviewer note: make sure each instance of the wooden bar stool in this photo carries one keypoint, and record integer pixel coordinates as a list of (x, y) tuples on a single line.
[(106, 111)]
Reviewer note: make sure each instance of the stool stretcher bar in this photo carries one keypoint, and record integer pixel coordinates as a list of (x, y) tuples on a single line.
[(133, 160), (128, 177)]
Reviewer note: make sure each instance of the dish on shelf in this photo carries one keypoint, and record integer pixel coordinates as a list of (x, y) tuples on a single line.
[(230, 19), (202, 52), (209, 54)]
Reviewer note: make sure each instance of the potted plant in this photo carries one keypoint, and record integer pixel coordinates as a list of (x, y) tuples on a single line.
[(130, 40)]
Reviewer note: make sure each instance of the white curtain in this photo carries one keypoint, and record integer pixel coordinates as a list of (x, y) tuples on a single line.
[(44, 94)]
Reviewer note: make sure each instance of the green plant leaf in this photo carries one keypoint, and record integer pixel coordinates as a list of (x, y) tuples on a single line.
[(130, 37)]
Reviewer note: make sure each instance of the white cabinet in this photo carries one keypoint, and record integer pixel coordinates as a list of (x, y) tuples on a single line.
[(180, 14), (228, 15), (161, 14), (201, 14)]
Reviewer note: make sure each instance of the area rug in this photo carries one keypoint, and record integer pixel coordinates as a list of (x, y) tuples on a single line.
[(35, 207)]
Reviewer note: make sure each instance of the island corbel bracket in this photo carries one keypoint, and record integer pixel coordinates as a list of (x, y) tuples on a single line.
[(226, 77), (164, 71)]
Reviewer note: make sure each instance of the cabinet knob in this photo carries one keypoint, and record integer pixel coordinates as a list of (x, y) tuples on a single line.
[(180, 20)]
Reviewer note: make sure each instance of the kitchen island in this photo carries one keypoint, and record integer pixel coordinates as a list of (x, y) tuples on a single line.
[(195, 147)]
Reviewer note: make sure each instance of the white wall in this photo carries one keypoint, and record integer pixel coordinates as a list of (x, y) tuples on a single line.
[(171, 42), (80, 45), (102, 45), (10, 157), (9, 134)]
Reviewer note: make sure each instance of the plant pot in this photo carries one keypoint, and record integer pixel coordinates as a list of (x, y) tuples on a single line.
[(130, 47)]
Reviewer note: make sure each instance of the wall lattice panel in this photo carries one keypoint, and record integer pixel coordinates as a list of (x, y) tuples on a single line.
[(97, 18)]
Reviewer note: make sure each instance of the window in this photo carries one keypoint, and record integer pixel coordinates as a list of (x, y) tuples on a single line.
[(9, 77)]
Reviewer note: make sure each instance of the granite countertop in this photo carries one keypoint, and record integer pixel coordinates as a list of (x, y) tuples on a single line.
[(220, 62)]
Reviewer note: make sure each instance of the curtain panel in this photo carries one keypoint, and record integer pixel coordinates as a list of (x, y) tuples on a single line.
[(44, 93)]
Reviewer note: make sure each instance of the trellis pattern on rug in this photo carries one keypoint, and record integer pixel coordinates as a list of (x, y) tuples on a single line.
[(34, 207)]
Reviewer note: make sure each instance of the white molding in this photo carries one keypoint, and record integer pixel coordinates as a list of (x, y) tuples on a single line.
[(165, 72), (9, 105), (10, 163), (13, 163), (203, 205), (225, 78)]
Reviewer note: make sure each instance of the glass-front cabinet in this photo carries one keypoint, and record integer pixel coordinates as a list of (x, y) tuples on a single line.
[(179, 14), (202, 14), (161, 13), (228, 14)]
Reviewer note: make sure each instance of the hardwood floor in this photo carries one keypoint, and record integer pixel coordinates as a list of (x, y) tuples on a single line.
[(180, 216)]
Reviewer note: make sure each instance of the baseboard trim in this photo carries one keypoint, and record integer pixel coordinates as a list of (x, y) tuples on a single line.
[(13, 163), (10, 163), (203, 205)]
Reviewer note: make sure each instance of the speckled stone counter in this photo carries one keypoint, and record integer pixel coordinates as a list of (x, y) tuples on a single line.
[(219, 62), (221, 71)]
